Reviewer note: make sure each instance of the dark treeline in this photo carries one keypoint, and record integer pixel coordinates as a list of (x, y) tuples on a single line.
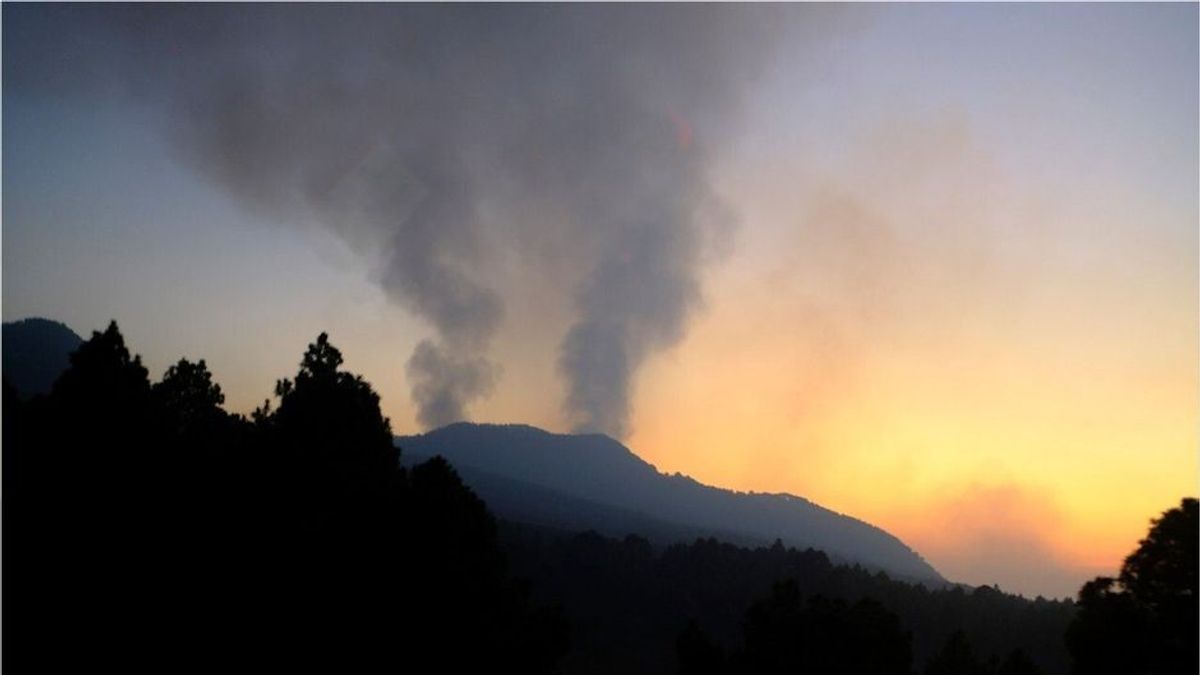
[(629, 603), (148, 530)]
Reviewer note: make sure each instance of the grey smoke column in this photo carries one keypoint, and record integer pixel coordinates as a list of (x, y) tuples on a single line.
[(436, 139)]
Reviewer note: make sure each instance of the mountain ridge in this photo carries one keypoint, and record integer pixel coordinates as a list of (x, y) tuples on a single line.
[(599, 469), (593, 481), (35, 352)]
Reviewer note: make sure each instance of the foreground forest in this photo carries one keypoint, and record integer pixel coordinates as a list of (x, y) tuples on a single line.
[(148, 530)]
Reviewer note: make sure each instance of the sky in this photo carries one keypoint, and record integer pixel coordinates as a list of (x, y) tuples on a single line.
[(932, 266)]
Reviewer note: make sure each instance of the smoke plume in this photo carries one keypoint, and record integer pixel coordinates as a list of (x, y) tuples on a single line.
[(427, 135)]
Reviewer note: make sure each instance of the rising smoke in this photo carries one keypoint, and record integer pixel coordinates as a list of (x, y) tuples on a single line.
[(421, 134)]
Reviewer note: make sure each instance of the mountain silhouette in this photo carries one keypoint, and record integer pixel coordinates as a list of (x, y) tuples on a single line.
[(569, 482), (590, 481), (35, 353)]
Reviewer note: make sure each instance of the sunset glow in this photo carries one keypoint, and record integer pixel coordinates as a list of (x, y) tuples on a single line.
[(949, 286)]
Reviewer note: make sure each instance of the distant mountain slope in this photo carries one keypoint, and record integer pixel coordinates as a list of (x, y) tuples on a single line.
[(602, 472), (35, 353), (533, 505)]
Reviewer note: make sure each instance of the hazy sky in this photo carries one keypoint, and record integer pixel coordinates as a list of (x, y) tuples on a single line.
[(934, 266)]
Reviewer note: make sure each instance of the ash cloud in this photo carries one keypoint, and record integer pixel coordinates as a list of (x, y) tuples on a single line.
[(442, 383), (427, 135)]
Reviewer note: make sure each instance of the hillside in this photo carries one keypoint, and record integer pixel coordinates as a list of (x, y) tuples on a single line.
[(629, 602), (629, 493), (36, 351)]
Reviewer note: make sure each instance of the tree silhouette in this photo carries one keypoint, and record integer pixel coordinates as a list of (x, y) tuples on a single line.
[(155, 532), (784, 635), (91, 528), (394, 553), (1145, 620), (1162, 573), (697, 654), (956, 658), (330, 419), (103, 375), (188, 398), (1018, 663)]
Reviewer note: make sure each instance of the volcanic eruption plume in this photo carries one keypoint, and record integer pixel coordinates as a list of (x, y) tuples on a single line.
[(425, 136)]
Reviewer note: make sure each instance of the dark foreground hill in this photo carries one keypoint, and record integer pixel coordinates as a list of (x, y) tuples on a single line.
[(593, 482), (36, 351), (629, 605)]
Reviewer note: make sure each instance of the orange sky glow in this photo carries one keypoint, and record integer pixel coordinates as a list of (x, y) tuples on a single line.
[(957, 296)]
